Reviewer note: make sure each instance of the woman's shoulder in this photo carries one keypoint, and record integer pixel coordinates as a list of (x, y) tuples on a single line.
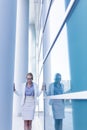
[(34, 83), (51, 84)]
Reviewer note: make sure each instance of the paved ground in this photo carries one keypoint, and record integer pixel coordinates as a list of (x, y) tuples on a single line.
[(19, 125), (38, 122)]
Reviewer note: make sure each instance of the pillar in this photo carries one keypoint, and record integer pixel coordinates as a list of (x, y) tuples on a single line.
[(21, 58), (7, 50), (32, 50), (47, 63), (77, 37), (46, 45)]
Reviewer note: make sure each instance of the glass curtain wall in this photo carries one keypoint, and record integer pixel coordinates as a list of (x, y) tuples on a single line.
[(59, 62), (53, 43)]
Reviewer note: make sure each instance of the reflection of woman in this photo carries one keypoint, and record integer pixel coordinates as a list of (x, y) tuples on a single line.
[(29, 94), (56, 88)]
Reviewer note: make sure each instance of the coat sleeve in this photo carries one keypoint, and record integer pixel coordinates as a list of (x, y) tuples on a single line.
[(62, 85), (16, 91), (37, 91), (20, 93), (49, 91)]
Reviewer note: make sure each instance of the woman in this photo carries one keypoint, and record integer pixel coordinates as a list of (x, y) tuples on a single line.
[(29, 96), (56, 88)]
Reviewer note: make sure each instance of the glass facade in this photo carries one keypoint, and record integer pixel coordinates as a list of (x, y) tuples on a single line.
[(54, 49), (58, 24)]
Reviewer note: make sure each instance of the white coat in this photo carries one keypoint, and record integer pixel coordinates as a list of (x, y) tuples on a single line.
[(57, 104), (22, 93)]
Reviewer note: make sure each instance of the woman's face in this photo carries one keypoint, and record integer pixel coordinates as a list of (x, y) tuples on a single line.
[(57, 78), (29, 79)]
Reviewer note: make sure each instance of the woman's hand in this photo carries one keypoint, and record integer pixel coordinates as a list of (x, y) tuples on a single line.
[(43, 87), (14, 87)]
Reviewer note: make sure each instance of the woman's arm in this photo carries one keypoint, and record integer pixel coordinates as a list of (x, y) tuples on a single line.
[(46, 92), (16, 91), (38, 93)]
